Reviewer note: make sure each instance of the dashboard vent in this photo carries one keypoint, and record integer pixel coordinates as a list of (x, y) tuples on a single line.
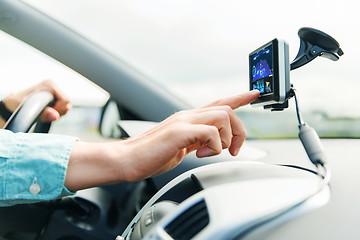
[(189, 223)]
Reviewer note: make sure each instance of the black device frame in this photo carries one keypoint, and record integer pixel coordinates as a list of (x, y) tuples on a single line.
[(275, 96)]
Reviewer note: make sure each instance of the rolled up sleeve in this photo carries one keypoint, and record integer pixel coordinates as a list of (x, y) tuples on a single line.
[(33, 166)]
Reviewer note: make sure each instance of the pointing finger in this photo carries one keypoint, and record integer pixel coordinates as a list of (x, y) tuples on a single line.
[(237, 101)]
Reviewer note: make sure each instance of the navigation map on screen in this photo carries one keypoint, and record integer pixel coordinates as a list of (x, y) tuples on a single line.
[(262, 70)]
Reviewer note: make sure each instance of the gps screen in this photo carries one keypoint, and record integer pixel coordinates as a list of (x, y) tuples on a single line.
[(261, 73)]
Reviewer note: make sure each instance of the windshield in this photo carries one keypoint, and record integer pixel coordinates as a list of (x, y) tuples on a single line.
[(199, 51)]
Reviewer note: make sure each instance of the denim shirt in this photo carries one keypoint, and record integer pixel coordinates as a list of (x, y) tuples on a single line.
[(33, 166)]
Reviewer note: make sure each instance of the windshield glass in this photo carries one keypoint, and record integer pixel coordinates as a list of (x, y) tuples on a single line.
[(199, 51)]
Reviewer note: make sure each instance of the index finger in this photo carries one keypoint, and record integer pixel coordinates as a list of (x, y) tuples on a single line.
[(237, 101)]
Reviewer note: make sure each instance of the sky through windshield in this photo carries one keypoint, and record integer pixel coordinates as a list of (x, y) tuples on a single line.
[(199, 49)]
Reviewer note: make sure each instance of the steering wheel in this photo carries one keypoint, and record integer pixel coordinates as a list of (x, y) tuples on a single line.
[(28, 113)]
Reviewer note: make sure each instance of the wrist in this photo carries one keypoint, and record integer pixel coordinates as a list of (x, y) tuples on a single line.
[(5, 112), (121, 157), (116, 161)]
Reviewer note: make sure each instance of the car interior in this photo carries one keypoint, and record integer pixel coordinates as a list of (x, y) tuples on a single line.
[(297, 184)]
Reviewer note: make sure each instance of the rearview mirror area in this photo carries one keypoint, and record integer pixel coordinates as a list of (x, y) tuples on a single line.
[(111, 114)]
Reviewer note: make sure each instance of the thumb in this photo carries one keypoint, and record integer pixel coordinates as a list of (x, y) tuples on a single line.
[(49, 115)]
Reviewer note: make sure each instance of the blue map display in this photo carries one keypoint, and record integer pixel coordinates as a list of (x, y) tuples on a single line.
[(261, 70)]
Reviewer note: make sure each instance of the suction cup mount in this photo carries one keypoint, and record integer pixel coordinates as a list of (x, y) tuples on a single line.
[(315, 43)]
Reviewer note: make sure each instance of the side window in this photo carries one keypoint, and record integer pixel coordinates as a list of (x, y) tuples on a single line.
[(23, 66)]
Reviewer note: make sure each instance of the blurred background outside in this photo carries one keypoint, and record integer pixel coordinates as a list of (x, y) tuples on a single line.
[(198, 50)]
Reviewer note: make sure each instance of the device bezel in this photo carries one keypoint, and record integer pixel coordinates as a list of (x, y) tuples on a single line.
[(281, 73)]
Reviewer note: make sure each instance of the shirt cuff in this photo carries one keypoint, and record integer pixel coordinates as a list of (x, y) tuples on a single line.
[(33, 167)]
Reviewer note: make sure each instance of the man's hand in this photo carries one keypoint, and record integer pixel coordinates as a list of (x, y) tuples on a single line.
[(206, 130), (61, 107)]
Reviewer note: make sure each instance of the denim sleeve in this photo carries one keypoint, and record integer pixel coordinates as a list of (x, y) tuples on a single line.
[(33, 166)]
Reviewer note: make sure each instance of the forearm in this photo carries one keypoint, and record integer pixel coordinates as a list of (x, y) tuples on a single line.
[(96, 164)]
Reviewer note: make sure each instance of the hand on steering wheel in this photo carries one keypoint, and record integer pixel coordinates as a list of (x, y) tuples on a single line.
[(28, 113), (33, 105)]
